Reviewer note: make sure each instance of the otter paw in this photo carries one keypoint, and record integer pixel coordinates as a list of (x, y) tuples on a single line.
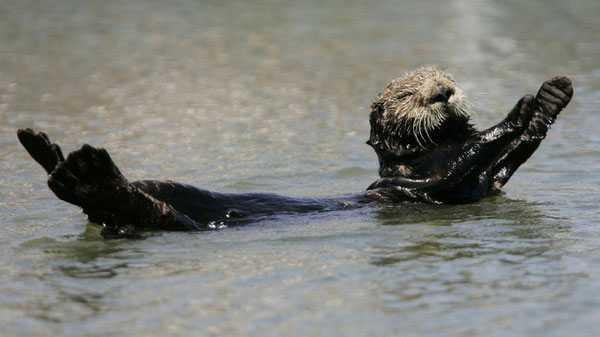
[(554, 95), (88, 178), (520, 116), (41, 149)]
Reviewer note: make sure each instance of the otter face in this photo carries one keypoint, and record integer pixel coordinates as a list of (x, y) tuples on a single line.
[(414, 106)]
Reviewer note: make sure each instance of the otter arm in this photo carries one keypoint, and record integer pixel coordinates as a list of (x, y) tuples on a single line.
[(553, 96), (204, 206), (461, 181), (90, 179)]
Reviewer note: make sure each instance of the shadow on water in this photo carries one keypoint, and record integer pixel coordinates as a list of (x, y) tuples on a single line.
[(87, 247), (498, 207), (511, 230), (77, 275)]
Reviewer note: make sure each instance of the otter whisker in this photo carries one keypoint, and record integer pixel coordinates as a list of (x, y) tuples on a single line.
[(419, 127), (428, 136), (423, 128), (415, 134)]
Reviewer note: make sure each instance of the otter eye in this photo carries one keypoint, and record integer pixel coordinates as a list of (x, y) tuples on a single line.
[(403, 95)]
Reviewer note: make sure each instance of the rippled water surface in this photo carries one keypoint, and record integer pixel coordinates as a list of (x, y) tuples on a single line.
[(274, 96)]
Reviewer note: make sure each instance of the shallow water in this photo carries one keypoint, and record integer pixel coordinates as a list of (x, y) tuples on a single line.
[(274, 96)]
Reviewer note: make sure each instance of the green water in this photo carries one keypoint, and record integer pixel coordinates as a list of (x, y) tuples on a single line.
[(274, 96)]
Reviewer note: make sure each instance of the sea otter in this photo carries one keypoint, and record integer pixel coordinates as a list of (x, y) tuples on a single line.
[(427, 149)]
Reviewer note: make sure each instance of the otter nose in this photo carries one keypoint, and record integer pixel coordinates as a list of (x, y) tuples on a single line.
[(442, 94)]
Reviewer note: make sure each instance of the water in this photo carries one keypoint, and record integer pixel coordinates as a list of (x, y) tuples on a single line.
[(273, 96)]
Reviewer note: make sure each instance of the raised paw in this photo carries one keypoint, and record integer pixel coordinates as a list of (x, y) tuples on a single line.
[(521, 114), (88, 178), (554, 95), (40, 148)]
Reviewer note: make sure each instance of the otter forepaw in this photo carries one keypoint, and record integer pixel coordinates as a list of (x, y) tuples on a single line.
[(520, 116), (88, 178), (554, 95), (41, 149)]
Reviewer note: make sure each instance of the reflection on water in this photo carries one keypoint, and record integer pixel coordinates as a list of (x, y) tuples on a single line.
[(273, 96), (77, 276), (443, 232)]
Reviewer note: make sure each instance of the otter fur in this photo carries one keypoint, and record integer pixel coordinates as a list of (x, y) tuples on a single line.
[(428, 151)]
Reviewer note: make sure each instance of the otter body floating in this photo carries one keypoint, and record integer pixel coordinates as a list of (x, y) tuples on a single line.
[(427, 150)]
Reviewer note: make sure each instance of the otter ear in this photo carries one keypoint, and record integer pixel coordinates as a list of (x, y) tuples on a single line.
[(375, 119)]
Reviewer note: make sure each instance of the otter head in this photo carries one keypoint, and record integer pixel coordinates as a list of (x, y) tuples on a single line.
[(415, 111)]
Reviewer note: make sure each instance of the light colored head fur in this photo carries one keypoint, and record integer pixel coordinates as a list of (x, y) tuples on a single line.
[(407, 106)]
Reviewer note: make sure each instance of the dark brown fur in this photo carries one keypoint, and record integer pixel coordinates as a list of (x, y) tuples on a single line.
[(427, 149)]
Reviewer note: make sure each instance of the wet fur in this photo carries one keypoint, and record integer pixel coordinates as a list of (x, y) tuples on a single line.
[(455, 163), (427, 150)]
